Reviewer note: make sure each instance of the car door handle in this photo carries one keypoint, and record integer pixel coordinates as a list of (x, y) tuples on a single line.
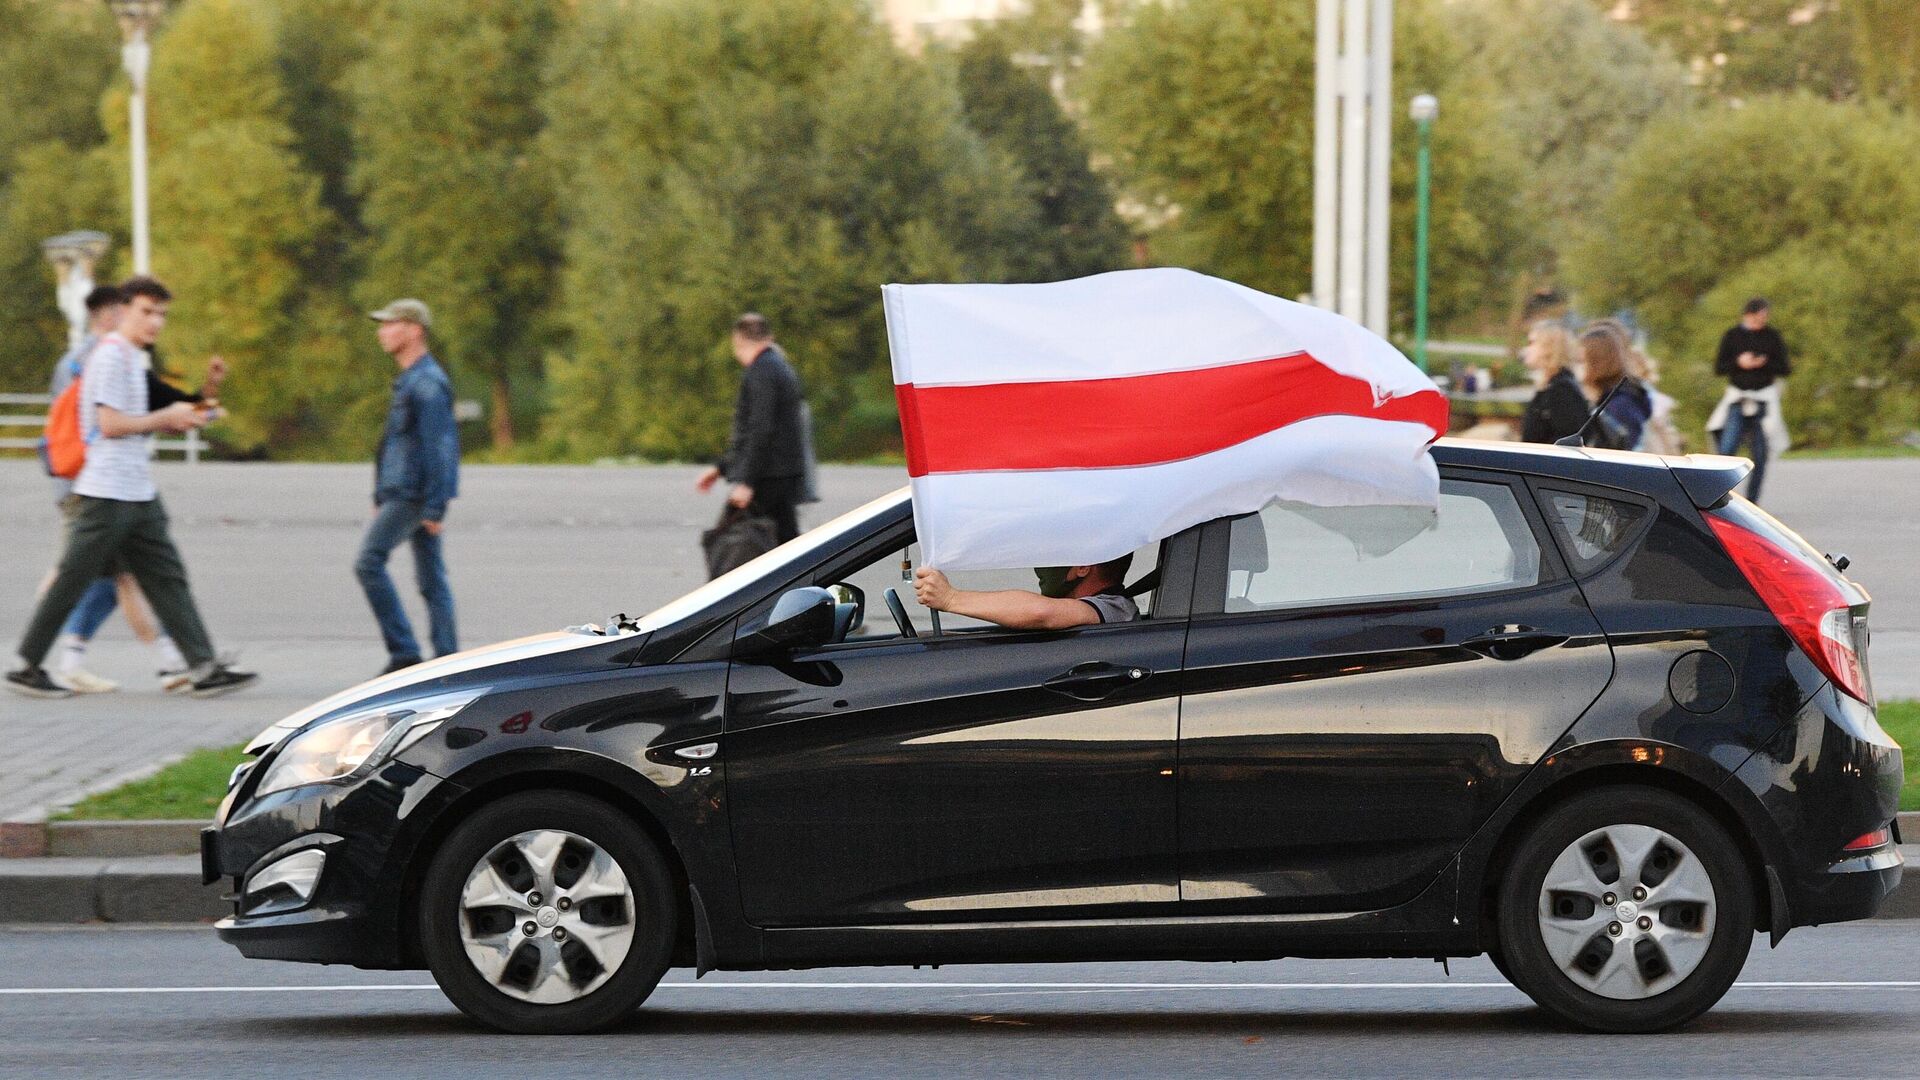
[(1513, 641), (1096, 680)]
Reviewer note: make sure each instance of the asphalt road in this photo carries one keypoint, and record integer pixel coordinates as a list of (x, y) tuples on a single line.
[(1832, 1001)]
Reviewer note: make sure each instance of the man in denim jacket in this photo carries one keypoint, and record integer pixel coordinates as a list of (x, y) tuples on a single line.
[(416, 474)]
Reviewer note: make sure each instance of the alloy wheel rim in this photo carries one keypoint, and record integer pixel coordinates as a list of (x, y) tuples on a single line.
[(1627, 912), (547, 916)]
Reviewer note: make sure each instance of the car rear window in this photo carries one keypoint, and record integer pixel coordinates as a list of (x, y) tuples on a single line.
[(1592, 528), (1289, 555)]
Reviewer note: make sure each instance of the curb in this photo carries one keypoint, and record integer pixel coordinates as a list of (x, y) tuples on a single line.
[(163, 888)]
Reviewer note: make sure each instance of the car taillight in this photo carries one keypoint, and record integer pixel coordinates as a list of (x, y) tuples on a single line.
[(1869, 841), (1811, 608)]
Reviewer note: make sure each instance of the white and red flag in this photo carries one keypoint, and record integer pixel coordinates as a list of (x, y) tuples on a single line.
[(1069, 423)]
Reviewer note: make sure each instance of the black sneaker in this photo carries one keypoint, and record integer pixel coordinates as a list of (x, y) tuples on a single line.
[(222, 680), (399, 663), (35, 682)]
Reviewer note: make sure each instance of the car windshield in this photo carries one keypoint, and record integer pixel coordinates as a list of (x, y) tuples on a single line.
[(747, 573)]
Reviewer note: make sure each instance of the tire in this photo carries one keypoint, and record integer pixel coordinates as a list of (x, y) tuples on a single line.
[(571, 975), (1636, 961)]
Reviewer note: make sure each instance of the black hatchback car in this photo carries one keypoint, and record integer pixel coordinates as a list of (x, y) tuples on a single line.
[(1603, 720)]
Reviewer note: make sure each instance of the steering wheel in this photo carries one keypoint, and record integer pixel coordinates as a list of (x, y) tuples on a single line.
[(900, 614)]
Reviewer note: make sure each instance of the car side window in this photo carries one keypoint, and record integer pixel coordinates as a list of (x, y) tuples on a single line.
[(893, 570), (1592, 528), (1290, 555)]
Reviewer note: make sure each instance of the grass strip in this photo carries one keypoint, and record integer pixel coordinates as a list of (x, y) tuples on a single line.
[(190, 788)]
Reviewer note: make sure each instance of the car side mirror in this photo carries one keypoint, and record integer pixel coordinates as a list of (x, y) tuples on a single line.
[(801, 618)]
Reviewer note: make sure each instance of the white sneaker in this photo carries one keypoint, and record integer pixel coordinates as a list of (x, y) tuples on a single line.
[(176, 682), (82, 681)]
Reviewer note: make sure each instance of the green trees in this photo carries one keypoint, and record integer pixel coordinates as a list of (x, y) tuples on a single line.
[(236, 220), (1206, 108), (1575, 88), (1808, 203), (1011, 107), (771, 155), (54, 61), (457, 206)]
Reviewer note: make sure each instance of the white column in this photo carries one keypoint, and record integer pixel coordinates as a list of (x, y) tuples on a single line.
[(1326, 144), (135, 54), (1353, 161), (1379, 158)]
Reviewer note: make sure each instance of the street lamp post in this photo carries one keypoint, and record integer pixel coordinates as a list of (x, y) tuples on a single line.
[(74, 255), (137, 20), (1424, 109)]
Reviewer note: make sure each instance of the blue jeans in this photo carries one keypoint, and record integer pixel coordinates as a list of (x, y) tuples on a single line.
[(395, 521), (1749, 428), (91, 613)]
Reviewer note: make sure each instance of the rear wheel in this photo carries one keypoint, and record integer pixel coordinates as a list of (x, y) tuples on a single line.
[(547, 913), (1626, 909)]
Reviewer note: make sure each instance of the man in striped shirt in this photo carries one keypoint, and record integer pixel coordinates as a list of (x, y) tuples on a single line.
[(120, 517)]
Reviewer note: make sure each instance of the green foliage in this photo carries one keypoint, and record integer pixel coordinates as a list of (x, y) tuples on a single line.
[(1887, 41), (1738, 49), (55, 58), (1575, 88), (458, 208), (1808, 203), (236, 221), (770, 155), (1010, 106), (1206, 109), (54, 189)]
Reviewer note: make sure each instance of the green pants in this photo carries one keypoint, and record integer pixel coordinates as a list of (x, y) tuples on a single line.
[(107, 534)]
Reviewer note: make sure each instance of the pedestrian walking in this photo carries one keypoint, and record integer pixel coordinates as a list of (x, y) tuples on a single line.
[(767, 453), (1559, 407), (1753, 358), (416, 474), (1624, 403), (119, 519), (117, 590)]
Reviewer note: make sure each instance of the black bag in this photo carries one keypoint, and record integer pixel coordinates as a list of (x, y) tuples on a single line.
[(737, 539)]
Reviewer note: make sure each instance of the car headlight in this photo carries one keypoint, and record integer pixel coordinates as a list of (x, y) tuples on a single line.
[(358, 742)]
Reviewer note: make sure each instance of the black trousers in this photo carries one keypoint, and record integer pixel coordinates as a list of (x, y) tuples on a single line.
[(108, 533), (775, 498)]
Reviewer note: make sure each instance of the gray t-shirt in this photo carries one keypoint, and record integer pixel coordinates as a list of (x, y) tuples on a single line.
[(1112, 607)]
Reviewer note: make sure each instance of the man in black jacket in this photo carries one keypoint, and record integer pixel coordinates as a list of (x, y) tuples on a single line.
[(1752, 355), (766, 456)]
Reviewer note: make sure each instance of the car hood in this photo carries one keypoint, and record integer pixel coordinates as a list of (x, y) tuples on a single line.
[(445, 667)]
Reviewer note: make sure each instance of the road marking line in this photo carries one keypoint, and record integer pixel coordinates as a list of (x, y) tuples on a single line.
[(1039, 987)]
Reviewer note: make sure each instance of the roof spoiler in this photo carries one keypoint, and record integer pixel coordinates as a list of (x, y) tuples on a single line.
[(1707, 478)]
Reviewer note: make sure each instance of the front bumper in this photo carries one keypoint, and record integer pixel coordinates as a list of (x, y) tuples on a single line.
[(367, 829)]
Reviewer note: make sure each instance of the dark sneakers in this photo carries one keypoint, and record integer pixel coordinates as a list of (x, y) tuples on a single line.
[(399, 663), (221, 679), (35, 682)]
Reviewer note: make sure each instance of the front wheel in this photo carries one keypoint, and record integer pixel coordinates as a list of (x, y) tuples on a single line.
[(547, 913), (1626, 909)]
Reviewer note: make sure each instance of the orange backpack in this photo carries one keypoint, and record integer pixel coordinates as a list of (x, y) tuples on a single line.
[(64, 445)]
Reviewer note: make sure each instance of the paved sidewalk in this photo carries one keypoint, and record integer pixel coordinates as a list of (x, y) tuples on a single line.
[(270, 549)]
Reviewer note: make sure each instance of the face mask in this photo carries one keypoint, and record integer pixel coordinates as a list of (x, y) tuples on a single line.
[(1053, 581)]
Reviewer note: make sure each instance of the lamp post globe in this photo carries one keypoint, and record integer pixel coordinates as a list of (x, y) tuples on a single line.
[(1424, 109), (74, 255)]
